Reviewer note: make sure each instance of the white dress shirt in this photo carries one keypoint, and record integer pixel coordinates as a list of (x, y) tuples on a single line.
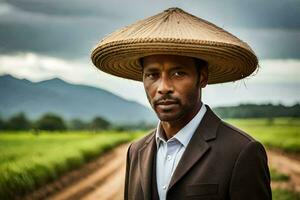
[(169, 152)]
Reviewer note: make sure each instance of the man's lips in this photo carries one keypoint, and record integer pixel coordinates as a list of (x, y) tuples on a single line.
[(166, 104)]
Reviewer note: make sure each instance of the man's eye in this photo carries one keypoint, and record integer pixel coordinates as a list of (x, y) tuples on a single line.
[(152, 75), (179, 74)]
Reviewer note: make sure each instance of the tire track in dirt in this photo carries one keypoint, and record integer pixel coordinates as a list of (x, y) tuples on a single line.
[(112, 189), (102, 179), (105, 183)]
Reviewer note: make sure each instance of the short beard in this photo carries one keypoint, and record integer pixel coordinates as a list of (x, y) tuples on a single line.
[(186, 109)]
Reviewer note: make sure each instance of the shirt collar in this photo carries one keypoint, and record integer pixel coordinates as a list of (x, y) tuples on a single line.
[(185, 134)]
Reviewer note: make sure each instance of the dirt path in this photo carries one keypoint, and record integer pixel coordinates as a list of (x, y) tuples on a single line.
[(287, 165), (101, 179), (106, 183)]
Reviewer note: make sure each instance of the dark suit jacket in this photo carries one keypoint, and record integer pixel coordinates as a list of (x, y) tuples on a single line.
[(220, 162)]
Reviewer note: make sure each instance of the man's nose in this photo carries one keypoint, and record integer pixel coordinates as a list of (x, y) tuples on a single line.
[(165, 85)]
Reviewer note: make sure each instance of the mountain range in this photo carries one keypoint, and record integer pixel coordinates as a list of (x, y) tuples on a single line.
[(67, 100)]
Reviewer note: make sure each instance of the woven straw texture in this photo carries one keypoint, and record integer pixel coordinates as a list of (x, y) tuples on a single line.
[(175, 32)]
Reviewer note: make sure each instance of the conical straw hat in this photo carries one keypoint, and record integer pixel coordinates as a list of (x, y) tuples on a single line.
[(175, 32)]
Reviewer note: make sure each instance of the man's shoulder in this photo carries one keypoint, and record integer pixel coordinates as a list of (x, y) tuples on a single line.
[(235, 135), (137, 144), (227, 131), (237, 140), (238, 132)]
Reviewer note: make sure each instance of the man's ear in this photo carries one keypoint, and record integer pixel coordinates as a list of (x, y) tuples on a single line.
[(203, 76)]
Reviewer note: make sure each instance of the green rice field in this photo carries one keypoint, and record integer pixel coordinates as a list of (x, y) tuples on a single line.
[(28, 161)]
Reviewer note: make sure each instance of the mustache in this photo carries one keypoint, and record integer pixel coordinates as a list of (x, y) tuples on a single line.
[(164, 99)]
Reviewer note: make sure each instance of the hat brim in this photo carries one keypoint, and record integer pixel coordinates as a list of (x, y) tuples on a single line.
[(226, 62)]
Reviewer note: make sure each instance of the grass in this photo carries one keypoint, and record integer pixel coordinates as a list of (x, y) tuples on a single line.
[(281, 133), (279, 194), (278, 176), (28, 161)]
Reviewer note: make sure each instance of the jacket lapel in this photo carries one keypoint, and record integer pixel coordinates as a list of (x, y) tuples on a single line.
[(145, 160), (197, 146)]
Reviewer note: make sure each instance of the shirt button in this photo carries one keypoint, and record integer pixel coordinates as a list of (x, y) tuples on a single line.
[(164, 187), (169, 157)]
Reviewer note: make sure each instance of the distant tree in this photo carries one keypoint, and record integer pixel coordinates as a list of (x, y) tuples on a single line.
[(51, 122), (2, 124), (99, 123), (78, 124), (18, 122), (258, 111), (140, 126)]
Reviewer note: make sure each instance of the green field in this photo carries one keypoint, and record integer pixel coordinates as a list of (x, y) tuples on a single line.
[(278, 176), (282, 133), (279, 194), (28, 161)]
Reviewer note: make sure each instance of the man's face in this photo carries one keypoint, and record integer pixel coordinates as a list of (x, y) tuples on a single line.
[(173, 86)]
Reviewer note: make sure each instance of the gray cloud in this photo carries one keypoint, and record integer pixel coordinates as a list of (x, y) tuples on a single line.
[(70, 28), (272, 42), (254, 13)]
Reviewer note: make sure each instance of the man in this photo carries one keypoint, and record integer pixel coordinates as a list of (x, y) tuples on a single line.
[(192, 154)]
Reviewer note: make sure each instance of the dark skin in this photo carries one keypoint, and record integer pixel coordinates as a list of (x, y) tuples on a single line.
[(173, 87)]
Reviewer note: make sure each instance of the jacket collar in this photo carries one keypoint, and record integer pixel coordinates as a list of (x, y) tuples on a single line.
[(198, 146)]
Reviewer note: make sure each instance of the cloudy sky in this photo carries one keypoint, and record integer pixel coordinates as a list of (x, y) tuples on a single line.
[(44, 39)]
